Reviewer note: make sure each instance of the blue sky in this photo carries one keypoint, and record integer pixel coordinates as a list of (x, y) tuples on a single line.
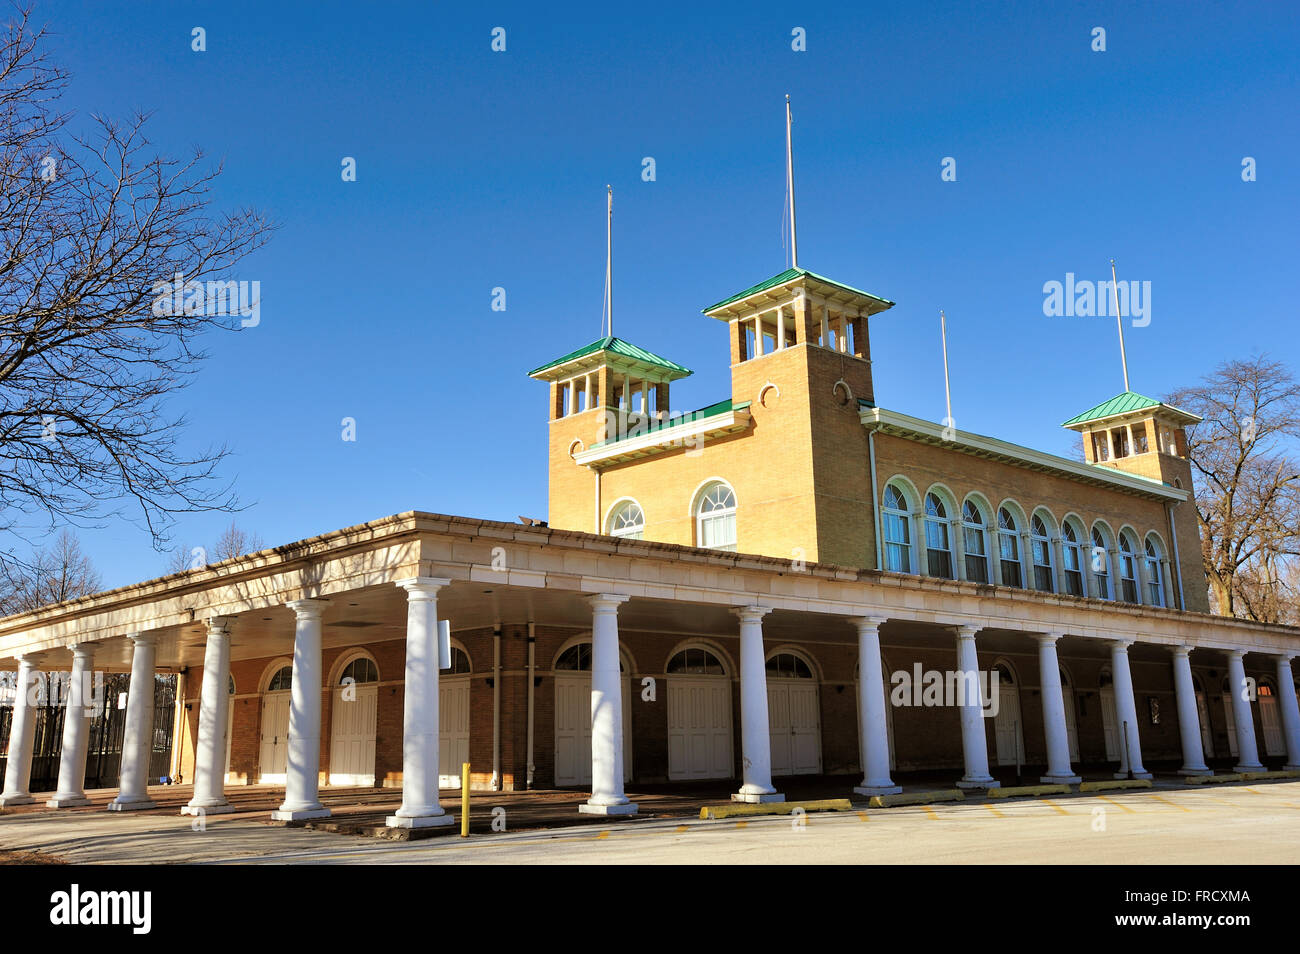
[(478, 169)]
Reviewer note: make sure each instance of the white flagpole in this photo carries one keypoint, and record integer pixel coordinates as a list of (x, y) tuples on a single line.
[(609, 262), (1119, 322), (789, 178), (947, 392)]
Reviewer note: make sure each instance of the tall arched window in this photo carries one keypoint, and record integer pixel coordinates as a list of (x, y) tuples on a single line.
[(1041, 546), (896, 522), (1128, 570), (977, 559), (1009, 548), (715, 520), (1155, 573), (938, 545), (627, 520), (361, 669), (1072, 555), (1099, 561)]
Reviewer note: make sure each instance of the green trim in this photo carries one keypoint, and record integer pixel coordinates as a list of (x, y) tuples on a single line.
[(788, 275), (616, 346), (690, 417), (1124, 403)]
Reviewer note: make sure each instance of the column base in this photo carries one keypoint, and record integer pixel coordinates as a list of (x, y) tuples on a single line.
[(1121, 776), (199, 811), (299, 814), (131, 804), (757, 798), (627, 808), (420, 821), (979, 783), (877, 789), (1196, 771), (67, 801), (1060, 780), (7, 800), (1241, 767)]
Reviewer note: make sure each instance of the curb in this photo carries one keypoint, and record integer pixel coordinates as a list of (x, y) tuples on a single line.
[(1023, 790), (1118, 783), (776, 808), (917, 798)]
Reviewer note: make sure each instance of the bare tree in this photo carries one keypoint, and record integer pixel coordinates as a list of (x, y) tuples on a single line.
[(93, 231), (61, 572), (233, 542), (1248, 484)]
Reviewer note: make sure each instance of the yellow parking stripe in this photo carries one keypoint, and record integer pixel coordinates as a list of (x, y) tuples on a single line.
[(1055, 807), (742, 824), (1119, 805), (863, 816), (603, 834), (996, 813), (681, 828), (930, 811), (1161, 798)]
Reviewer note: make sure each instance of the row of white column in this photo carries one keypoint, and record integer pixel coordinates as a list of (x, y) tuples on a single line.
[(420, 769)]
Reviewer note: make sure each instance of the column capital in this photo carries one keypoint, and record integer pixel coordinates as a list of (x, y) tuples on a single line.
[(1235, 653), (422, 587), (1285, 656), (868, 622), (751, 614), (607, 602), (1182, 649), (1121, 643), (1048, 638), (219, 625), (307, 609), (83, 650), (143, 639), (968, 630)]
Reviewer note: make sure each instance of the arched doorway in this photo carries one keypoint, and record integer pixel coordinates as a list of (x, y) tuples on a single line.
[(453, 719), (699, 715), (353, 709), (1270, 719), (794, 715), (1203, 717), (230, 720), (573, 717), (1230, 718), (1008, 728), (1071, 717), (273, 752)]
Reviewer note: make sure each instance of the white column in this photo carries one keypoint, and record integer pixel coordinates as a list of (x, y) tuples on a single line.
[(871, 709), (607, 796), (79, 710), (420, 805), (974, 743), (1247, 753), (1059, 771), (1189, 723), (214, 708), (755, 731), (1130, 747), (22, 737), (302, 778), (137, 738), (1290, 711)]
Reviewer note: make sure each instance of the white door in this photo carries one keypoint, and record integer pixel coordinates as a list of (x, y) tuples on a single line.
[(1203, 717), (1110, 724), (275, 738), (453, 729), (352, 734), (1006, 724), (1071, 724), (699, 727), (1271, 724), (794, 722), (573, 729), (1232, 724)]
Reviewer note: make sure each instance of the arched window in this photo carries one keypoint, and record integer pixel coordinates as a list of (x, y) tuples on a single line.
[(361, 669), (788, 666), (230, 685), (694, 661), (627, 520), (977, 560), (715, 521), (282, 680), (1128, 583), (1041, 546), (896, 521), (577, 658), (1100, 563), (460, 660), (1009, 548), (938, 545), (1072, 555), (1155, 573)]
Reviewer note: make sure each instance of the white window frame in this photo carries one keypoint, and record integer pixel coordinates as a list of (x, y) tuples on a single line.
[(717, 514), (905, 520)]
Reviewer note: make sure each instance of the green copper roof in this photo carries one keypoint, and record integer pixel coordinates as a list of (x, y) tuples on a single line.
[(614, 346), (713, 410), (1124, 403), (786, 276)]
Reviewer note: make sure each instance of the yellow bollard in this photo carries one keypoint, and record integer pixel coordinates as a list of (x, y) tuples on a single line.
[(464, 799)]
